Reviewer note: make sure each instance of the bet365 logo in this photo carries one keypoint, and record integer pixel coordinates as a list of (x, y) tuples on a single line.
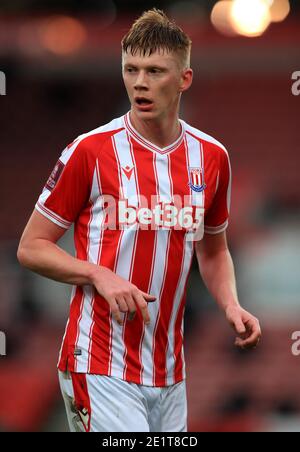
[(2, 84), (296, 84)]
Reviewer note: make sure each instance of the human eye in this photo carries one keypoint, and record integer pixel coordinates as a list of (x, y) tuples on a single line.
[(130, 69), (155, 70)]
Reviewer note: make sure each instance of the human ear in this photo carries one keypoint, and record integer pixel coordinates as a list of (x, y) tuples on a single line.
[(186, 79)]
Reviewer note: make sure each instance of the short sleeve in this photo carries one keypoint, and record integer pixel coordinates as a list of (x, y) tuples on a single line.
[(216, 219), (67, 189)]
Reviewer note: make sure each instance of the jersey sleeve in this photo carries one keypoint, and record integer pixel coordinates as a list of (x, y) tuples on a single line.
[(216, 219), (67, 189)]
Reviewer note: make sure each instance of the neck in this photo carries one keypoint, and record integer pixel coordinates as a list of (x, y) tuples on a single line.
[(162, 132)]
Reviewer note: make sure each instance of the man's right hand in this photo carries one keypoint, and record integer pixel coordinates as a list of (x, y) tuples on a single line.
[(38, 252), (121, 295)]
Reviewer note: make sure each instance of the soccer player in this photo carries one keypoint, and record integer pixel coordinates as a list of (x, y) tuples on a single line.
[(144, 192)]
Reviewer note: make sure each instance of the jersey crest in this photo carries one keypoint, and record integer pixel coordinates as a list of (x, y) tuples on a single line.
[(196, 179)]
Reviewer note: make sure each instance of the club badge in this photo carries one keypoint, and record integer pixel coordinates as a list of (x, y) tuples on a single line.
[(196, 179)]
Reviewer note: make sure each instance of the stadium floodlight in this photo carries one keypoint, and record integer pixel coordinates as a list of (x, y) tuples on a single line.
[(250, 17), (279, 10), (221, 17)]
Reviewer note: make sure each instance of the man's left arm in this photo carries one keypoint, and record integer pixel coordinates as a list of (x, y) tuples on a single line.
[(217, 271)]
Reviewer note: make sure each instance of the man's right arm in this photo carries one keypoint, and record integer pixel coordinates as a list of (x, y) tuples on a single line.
[(39, 252)]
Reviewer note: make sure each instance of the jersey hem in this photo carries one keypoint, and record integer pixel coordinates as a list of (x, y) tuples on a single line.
[(146, 382)]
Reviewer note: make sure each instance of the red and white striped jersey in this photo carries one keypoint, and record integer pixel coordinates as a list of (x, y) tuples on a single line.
[(123, 193)]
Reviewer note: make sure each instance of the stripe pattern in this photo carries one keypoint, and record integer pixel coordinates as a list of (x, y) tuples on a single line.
[(124, 165)]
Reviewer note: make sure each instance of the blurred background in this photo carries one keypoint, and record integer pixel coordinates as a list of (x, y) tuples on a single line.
[(61, 59)]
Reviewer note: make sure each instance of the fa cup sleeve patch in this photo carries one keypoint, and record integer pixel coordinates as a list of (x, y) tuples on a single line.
[(55, 175)]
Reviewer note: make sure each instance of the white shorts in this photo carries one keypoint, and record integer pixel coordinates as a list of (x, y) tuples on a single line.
[(97, 403)]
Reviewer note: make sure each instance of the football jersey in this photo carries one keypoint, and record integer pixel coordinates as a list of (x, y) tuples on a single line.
[(137, 209)]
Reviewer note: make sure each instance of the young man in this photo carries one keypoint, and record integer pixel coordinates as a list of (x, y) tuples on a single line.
[(140, 190)]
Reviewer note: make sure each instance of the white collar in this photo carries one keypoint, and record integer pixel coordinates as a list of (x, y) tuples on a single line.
[(147, 144)]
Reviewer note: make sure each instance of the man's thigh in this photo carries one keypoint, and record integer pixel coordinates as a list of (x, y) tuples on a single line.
[(167, 408), (174, 409)]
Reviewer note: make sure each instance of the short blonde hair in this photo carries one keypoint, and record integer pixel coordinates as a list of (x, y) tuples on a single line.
[(153, 31)]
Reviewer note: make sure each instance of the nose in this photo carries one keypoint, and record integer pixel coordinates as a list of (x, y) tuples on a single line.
[(141, 81)]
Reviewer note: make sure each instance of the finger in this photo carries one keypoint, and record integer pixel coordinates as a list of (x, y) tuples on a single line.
[(252, 335), (250, 342), (148, 297), (246, 346), (115, 311), (131, 307), (131, 316), (122, 304), (253, 332), (238, 325), (142, 305), (253, 325)]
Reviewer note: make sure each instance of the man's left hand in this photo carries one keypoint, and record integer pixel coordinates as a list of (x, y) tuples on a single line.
[(245, 325)]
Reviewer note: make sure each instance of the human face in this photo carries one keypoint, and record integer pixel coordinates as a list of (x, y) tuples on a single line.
[(154, 83)]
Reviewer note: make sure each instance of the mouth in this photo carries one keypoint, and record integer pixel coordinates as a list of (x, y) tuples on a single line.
[(143, 103)]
